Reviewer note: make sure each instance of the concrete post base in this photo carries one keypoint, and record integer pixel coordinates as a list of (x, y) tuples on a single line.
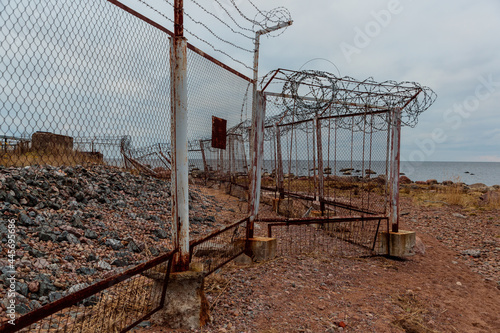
[(185, 304), (397, 244), (263, 248)]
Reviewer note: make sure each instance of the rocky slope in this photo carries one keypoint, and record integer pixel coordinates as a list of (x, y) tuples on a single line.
[(75, 225)]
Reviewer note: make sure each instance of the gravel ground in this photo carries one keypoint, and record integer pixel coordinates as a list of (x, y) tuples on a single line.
[(76, 225), (438, 290)]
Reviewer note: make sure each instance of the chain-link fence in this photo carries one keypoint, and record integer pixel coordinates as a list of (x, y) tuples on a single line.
[(77, 79), (322, 161), (219, 100), (115, 304), (329, 148)]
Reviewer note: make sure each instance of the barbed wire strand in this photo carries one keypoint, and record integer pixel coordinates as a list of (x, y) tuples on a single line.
[(222, 21), (209, 30), (197, 37)]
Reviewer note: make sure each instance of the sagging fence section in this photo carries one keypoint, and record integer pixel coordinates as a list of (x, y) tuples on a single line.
[(344, 236), (219, 248), (115, 304)]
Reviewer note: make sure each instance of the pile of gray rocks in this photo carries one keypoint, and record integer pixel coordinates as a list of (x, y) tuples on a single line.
[(76, 225)]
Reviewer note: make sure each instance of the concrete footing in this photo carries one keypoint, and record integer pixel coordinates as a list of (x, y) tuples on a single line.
[(185, 304), (397, 244), (261, 248)]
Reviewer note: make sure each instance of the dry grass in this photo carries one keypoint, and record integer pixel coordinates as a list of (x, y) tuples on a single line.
[(453, 195), (412, 320)]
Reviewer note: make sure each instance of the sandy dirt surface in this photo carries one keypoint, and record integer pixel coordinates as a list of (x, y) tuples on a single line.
[(444, 289)]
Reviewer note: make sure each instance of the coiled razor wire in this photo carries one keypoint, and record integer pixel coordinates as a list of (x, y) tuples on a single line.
[(308, 94)]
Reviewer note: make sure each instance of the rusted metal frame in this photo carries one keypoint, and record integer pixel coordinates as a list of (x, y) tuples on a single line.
[(352, 150), (230, 158), (350, 207), (305, 221), (165, 157), (220, 153), (189, 46), (271, 79), (179, 110), (325, 201), (320, 220), (71, 299), (330, 221), (271, 189), (218, 63), (203, 157), (333, 117), (226, 261), (395, 167), (314, 156), (376, 235), (279, 169), (363, 170), (142, 17), (321, 184), (371, 150), (197, 242), (162, 300)]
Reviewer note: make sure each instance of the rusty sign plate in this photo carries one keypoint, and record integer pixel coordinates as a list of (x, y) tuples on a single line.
[(219, 132)]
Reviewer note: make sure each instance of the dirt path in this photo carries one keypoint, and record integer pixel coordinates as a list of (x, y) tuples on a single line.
[(315, 293)]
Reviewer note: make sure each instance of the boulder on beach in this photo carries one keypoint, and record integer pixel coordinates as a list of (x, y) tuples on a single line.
[(404, 180), (431, 182)]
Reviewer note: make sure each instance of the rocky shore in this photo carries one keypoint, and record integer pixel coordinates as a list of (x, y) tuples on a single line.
[(76, 225)]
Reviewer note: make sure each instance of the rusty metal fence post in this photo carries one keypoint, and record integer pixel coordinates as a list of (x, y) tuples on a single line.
[(279, 167), (394, 173), (180, 195), (257, 160), (321, 188)]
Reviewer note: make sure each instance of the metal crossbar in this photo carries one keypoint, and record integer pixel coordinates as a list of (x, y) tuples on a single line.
[(220, 247), (345, 236), (115, 304)]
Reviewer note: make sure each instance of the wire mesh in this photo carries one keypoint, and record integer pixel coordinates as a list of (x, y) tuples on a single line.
[(219, 248), (347, 237), (216, 92), (76, 78), (115, 304), (343, 170)]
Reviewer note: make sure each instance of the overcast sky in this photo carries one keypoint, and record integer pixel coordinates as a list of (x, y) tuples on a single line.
[(451, 46)]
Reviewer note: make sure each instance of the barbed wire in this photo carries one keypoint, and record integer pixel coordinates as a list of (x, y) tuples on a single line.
[(222, 21), (196, 36), (232, 18), (209, 30), (309, 94)]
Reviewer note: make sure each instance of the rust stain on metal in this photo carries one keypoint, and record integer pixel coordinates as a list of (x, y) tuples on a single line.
[(219, 132), (395, 165)]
